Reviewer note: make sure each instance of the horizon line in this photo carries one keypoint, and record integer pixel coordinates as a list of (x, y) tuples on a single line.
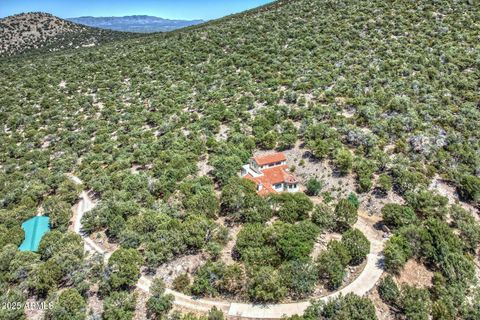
[(135, 15), (121, 16)]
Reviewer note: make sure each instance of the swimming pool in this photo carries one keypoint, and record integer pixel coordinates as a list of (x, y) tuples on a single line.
[(35, 228)]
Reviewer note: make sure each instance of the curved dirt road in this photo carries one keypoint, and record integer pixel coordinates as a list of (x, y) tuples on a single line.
[(360, 286)]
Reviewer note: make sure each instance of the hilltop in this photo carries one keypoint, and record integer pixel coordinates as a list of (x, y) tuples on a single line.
[(37, 30), (375, 105), (136, 23)]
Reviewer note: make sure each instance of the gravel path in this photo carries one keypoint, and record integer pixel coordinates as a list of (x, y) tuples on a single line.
[(360, 286)]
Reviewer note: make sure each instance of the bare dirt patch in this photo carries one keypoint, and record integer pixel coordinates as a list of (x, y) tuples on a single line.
[(203, 167), (73, 217), (367, 224), (94, 303), (348, 113), (227, 251), (141, 307), (415, 273), (32, 312), (222, 134)]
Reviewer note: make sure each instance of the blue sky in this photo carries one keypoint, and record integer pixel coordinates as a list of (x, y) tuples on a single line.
[(170, 9)]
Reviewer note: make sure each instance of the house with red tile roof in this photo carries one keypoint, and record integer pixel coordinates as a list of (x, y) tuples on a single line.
[(270, 174)]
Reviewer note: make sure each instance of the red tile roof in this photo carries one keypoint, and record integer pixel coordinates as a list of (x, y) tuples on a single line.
[(266, 190), (272, 176), (276, 174), (270, 158)]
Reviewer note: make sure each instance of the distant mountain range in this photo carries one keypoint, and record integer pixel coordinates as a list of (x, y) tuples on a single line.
[(136, 23)]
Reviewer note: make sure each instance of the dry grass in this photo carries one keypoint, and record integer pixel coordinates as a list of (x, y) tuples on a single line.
[(415, 274)]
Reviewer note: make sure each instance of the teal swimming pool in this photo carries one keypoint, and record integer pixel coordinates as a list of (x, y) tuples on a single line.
[(35, 228)]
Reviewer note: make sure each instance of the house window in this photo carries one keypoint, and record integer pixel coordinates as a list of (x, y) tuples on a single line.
[(277, 186)]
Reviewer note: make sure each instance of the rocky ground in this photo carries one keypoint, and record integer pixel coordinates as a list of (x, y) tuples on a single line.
[(184, 264), (449, 191)]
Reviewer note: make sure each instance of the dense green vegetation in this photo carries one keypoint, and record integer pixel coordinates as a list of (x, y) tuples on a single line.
[(387, 89), (344, 307), (448, 250)]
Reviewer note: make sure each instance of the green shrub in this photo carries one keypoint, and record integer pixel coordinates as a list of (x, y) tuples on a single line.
[(397, 216), (469, 188), (397, 251), (349, 306), (384, 183), (206, 279), (300, 277), (215, 314), (322, 216), (469, 228), (343, 161), (68, 305), (293, 206), (388, 290), (345, 214), (314, 187), (124, 268), (415, 303), (352, 197), (357, 245), (265, 285), (159, 303), (181, 283), (119, 306), (331, 267)]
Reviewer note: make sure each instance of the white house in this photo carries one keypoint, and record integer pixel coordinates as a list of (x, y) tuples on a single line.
[(270, 174)]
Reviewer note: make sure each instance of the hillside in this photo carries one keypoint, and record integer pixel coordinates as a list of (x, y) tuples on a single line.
[(41, 31), (375, 105), (137, 23)]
